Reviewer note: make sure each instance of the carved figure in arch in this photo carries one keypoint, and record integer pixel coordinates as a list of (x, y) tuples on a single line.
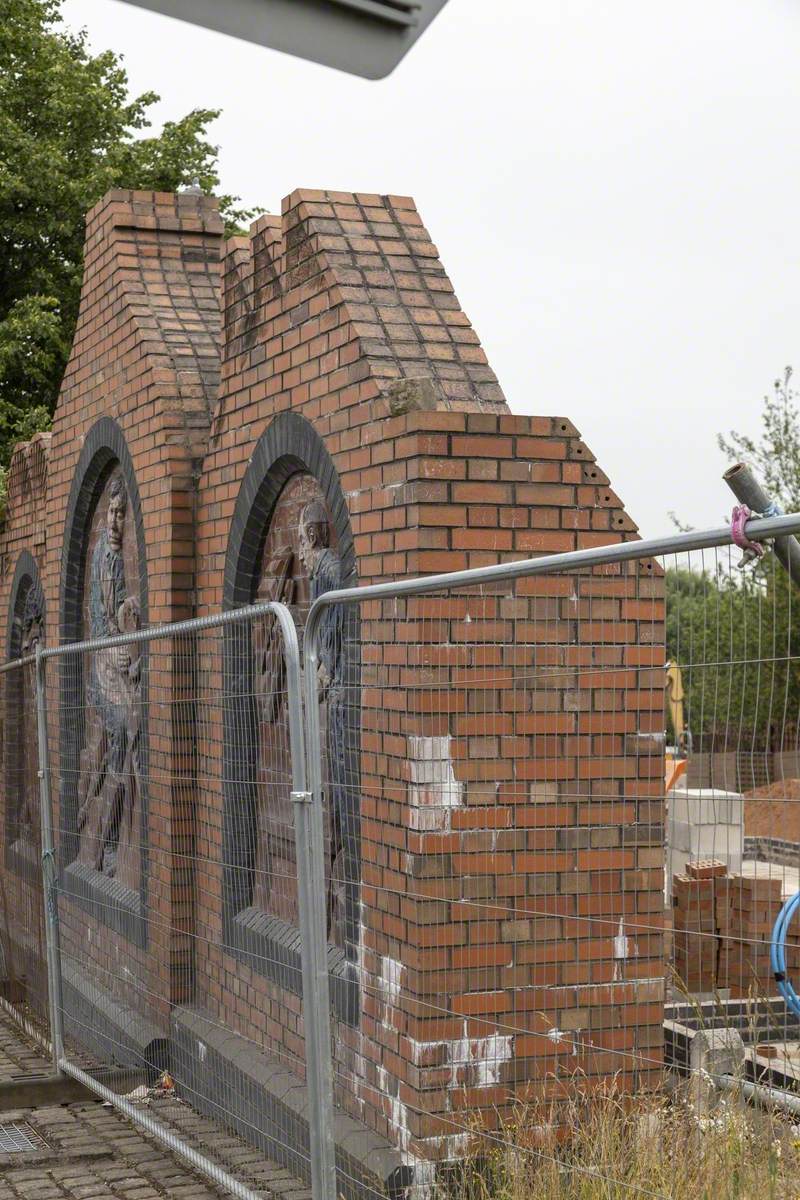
[(277, 585), (324, 568), (300, 562), (272, 891), (27, 823), (108, 784)]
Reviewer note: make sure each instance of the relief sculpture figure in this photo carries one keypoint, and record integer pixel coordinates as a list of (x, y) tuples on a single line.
[(274, 826), (27, 823), (324, 567), (109, 765)]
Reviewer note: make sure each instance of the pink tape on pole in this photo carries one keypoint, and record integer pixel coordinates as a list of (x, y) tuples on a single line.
[(741, 515)]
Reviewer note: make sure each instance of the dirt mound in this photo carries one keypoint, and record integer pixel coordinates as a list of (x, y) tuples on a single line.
[(773, 810), (781, 789)]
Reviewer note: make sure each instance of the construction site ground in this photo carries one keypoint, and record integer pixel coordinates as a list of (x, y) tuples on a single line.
[(85, 1150)]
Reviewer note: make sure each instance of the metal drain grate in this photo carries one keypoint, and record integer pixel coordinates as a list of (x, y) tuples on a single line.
[(19, 1139)]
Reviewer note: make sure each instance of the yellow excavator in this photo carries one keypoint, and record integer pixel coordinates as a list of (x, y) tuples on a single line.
[(677, 755)]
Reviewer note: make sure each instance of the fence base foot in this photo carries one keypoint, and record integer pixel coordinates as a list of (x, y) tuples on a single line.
[(714, 1052)]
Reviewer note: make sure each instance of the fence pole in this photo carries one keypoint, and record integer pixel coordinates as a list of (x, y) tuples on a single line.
[(49, 870), (309, 835)]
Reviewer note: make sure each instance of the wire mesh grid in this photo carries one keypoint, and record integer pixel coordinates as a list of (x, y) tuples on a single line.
[(179, 940), (508, 802), (733, 836), (528, 750), (23, 956), (502, 766)]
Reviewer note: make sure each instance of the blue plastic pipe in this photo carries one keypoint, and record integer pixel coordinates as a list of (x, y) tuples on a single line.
[(777, 953)]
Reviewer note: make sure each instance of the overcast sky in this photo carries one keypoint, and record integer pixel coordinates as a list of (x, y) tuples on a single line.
[(614, 189)]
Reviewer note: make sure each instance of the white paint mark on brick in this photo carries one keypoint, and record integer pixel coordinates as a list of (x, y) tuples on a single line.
[(621, 942), (391, 978), (398, 1117), (483, 1056), (621, 950), (359, 1059), (422, 1187), (434, 789)]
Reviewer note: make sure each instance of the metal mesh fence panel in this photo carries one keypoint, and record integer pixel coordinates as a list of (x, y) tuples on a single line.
[(179, 953), (527, 881), (23, 956), (531, 869), (493, 778), (733, 838)]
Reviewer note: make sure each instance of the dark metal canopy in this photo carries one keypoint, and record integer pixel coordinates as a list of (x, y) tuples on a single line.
[(362, 37)]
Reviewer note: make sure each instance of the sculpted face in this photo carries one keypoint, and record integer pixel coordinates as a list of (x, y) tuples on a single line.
[(115, 521), (313, 534), (31, 636), (307, 546)]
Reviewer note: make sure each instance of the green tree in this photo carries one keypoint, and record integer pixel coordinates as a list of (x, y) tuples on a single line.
[(737, 641), (69, 131), (736, 634), (775, 456)]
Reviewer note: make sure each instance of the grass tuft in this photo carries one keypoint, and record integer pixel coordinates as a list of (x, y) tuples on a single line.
[(612, 1147)]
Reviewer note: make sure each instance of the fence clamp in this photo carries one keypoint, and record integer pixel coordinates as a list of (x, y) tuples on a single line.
[(752, 551), (50, 873), (301, 797)]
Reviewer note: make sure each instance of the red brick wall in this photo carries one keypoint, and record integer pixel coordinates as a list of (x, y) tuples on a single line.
[(341, 311), (145, 354)]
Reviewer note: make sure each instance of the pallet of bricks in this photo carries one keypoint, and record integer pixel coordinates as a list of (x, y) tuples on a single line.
[(722, 929), (696, 933)]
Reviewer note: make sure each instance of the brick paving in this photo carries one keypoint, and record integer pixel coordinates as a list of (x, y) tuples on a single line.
[(93, 1152), (19, 1056)]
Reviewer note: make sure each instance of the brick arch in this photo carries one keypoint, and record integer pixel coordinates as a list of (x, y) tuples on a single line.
[(26, 579), (290, 445), (104, 450)]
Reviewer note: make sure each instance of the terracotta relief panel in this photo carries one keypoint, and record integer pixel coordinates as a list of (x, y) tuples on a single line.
[(109, 786), (22, 762), (300, 561)]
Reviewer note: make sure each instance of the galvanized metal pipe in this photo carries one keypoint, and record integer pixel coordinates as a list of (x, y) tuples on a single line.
[(747, 489), (316, 1008), (758, 529), (309, 836), (759, 1093), (150, 633)]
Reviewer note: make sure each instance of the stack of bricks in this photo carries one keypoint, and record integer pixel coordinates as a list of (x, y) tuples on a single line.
[(722, 930), (744, 964), (698, 898)]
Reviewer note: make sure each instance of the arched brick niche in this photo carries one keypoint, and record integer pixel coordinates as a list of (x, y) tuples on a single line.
[(103, 694), (290, 483), (25, 630)]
